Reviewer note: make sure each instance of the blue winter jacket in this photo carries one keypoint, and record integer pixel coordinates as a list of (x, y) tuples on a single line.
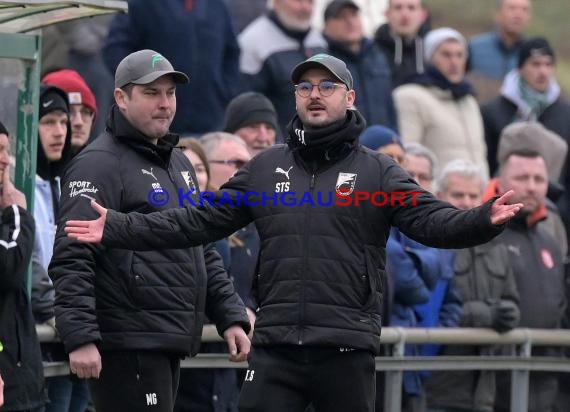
[(372, 81), (489, 55), (198, 41), (421, 277)]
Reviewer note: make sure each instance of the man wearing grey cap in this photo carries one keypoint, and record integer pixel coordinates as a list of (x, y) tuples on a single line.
[(126, 318), (318, 284)]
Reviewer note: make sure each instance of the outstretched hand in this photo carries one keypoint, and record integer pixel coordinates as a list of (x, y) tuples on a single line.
[(88, 231), (501, 212)]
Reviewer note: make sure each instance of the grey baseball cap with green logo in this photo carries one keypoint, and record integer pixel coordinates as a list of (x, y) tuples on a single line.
[(324, 61), (144, 67)]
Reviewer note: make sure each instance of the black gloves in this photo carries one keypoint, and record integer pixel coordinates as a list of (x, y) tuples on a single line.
[(505, 315)]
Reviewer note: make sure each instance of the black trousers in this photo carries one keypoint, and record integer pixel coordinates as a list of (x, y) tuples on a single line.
[(132, 381), (289, 378)]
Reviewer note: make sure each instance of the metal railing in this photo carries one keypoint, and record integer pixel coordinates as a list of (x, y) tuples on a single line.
[(520, 364)]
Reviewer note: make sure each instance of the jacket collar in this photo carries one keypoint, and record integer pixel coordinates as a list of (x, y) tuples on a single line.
[(510, 90), (124, 131)]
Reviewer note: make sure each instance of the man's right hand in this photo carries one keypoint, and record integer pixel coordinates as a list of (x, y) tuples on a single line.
[(10, 195), (88, 231), (85, 361)]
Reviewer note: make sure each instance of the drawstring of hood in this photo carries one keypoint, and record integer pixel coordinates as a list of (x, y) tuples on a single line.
[(384, 36), (419, 55), (398, 50)]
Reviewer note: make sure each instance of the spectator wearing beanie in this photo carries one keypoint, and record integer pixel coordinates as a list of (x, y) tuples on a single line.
[(54, 152), (531, 93), (384, 140), (83, 106), (252, 117), (437, 108)]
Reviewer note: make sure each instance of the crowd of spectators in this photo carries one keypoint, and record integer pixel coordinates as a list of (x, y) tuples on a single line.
[(467, 119)]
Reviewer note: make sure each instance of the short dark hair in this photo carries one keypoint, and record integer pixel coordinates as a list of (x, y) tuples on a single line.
[(128, 89), (527, 153), (421, 3)]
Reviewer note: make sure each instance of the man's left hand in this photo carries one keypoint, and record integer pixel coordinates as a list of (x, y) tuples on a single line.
[(238, 343), (501, 212)]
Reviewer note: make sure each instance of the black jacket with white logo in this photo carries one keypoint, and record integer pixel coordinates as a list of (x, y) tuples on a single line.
[(20, 355), (320, 269), (122, 299)]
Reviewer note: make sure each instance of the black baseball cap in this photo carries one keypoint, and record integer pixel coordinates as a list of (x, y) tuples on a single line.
[(336, 6), (324, 61), (144, 67)]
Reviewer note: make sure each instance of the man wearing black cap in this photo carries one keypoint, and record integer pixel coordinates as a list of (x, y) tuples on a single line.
[(127, 318), (252, 117), (318, 283), (372, 78)]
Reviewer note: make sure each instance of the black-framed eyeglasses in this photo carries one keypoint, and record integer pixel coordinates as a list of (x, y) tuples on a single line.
[(326, 88), (238, 164)]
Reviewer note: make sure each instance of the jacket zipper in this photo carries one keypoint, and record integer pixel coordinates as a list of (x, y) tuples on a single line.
[(304, 244)]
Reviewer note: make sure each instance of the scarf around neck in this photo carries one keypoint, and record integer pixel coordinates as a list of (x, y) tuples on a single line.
[(329, 142), (537, 101), (433, 77)]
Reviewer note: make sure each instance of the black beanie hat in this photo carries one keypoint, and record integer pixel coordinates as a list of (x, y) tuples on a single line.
[(53, 99), (247, 109), (536, 46), (3, 130)]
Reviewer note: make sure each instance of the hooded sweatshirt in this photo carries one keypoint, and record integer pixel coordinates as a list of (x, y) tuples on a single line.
[(46, 201), (406, 57)]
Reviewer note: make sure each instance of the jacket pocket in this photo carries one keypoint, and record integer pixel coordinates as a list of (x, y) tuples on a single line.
[(135, 281), (374, 303)]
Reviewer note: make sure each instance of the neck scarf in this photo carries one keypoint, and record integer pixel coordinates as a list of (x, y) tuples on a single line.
[(433, 77), (330, 142)]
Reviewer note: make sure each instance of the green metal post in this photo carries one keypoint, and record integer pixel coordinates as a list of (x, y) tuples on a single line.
[(26, 47)]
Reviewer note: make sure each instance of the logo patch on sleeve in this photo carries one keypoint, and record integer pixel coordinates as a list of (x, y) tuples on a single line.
[(81, 187)]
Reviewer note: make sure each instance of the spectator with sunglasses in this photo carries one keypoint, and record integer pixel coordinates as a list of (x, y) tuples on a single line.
[(318, 281)]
